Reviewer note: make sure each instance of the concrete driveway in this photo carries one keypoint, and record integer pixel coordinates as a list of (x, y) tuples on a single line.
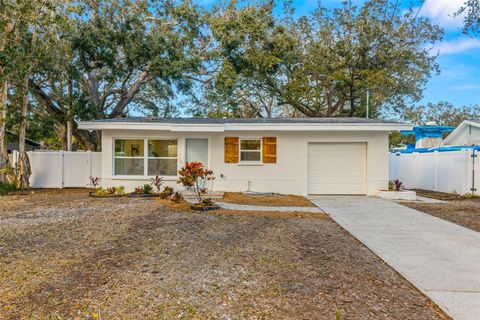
[(440, 258)]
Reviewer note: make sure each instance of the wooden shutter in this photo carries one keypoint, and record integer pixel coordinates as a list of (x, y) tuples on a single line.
[(269, 153), (231, 149)]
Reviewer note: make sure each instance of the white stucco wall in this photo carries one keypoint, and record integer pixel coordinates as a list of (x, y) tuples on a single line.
[(289, 175)]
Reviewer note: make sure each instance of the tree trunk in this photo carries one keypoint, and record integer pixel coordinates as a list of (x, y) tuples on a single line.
[(69, 115), (4, 162), (23, 164)]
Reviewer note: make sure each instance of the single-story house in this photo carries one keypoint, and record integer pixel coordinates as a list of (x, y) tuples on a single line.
[(292, 156), (12, 143), (466, 134)]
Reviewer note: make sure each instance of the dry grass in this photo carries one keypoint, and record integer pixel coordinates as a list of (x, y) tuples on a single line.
[(465, 213), (64, 253), (444, 196), (267, 200)]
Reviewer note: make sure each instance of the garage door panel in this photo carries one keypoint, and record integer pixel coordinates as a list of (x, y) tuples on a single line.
[(337, 168)]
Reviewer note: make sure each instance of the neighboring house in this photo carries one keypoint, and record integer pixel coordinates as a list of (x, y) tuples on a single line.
[(466, 134), (12, 143), (291, 156)]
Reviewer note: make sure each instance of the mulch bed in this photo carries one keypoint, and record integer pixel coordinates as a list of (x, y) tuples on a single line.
[(278, 200), (65, 254)]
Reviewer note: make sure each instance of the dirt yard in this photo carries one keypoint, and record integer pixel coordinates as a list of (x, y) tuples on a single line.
[(288, 200), (65, 255), (465, 212)]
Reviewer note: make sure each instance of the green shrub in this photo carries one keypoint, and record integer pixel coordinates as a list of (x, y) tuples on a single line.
[(147, 188), (177, 197), (391, 185), (166, 193), (6, 187)]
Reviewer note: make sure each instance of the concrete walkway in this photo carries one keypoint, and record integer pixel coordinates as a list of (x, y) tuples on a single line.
[(440, 258), (232, 206)]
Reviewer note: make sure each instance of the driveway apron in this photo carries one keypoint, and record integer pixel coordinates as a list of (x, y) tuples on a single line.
[(440, 258)]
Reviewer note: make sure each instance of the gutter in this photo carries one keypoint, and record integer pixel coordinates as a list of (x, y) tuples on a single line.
[(175, 127)]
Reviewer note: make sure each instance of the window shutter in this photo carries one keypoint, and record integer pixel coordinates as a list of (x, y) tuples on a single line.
[(269, 153), (231, 149)]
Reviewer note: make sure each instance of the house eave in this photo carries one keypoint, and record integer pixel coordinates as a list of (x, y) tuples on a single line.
[(301, 127), (459, 130)]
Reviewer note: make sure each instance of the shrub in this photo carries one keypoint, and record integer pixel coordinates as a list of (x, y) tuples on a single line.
[(397, 184), (6, 188), (167, 192), (94, 181), (391, 186), (157, 183), (120, 190), (147, 188), (177, 197), (195, 178)]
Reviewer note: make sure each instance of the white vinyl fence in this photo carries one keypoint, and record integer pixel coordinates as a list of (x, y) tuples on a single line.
[(452, 171), (63, 169)]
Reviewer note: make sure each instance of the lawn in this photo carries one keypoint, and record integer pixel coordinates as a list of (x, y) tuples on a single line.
[(65, 254), (464, 211)]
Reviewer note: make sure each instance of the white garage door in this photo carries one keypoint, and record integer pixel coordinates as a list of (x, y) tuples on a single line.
[(337, 168)]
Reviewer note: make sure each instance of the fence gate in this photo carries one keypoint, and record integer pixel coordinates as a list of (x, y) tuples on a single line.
[(63, 169)]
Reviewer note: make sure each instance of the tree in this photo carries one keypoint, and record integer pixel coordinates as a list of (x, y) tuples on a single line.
[(442, 113), (113, 51), (7, 25), (471, 12), (322, 64), (28, 40), (346, 52)]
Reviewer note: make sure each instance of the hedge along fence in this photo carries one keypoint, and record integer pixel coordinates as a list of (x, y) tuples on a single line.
[(62, 169), (450, 171)]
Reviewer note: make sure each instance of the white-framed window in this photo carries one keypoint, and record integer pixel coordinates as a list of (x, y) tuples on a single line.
[(250, 150), (145, 157)]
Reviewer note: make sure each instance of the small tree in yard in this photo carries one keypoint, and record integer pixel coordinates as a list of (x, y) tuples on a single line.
[(195, 178)]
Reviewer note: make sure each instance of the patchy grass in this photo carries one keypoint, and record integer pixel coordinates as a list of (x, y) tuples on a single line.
[(267, 200), (445, 196), (67, 255), (465, 212)]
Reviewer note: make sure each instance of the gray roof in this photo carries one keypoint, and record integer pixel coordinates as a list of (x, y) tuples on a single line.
[(475, 120), (241, 120)]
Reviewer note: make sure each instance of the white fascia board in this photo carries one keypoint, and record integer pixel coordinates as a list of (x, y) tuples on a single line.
[(243, 126), (318, 127), (124, 126), (198, 127)]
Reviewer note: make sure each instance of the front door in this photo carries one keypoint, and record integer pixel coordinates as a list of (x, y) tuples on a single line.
[(197, 150)]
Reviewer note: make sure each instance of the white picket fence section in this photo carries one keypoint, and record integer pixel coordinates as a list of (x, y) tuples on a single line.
[(63, 169), (452, 171)]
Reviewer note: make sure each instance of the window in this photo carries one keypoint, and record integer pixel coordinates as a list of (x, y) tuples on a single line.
[(143, 157), (129, 157), (162, 157), (250, 150)]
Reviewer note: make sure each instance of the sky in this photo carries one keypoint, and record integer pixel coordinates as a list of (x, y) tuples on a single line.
[(459, 55)]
